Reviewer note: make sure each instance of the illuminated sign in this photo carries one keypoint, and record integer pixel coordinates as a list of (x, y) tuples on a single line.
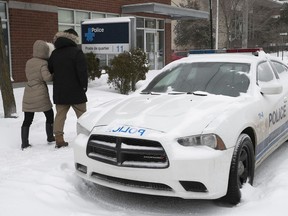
[(108, 37)]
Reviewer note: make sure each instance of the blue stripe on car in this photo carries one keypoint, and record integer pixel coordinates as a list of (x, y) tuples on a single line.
[(270, 141)]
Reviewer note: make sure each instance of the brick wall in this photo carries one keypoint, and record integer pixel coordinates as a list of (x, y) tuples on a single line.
[(25, 28)]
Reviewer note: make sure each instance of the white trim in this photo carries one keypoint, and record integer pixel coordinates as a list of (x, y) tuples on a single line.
[(32, 6), (164, 9)]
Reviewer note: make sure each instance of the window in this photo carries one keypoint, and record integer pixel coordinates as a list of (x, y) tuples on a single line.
[(150, 38), (97, 15), (111, 15), (140, 39), (220, 78), (68, 18), (150, 23), (280, 68), (3, 14), (140, 22), (65, 19), (160, 24), (80, 16), (265, 73)]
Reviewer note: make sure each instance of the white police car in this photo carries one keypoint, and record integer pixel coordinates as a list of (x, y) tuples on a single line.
[(197, 131)]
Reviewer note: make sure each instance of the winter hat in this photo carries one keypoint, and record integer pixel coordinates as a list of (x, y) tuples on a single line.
[(71, 31)]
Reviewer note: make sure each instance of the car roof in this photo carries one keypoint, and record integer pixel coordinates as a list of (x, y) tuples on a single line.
[(237, 57), (244, 58)]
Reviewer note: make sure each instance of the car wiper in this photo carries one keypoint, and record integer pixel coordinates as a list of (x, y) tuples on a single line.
[(175, 93), (197, 93), (145, 92)]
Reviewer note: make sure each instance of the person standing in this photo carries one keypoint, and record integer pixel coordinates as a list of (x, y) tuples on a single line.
[(36, 95), (70, 80)]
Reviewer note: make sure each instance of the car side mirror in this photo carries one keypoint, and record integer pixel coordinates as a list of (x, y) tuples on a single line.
[(271, 88)]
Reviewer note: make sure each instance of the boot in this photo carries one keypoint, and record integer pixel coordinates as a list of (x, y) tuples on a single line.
[(24, 137), (60, 141), (49, 132)]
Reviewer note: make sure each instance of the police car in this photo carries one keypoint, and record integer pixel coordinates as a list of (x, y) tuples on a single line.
[(198, 130)]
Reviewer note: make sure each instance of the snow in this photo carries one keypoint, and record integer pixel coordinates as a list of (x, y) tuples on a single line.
[(41, 180)]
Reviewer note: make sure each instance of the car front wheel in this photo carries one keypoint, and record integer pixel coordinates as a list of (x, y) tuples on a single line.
[(241, 169)]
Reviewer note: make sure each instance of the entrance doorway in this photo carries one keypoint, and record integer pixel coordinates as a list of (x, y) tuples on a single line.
[(154, 48), (150, 48)]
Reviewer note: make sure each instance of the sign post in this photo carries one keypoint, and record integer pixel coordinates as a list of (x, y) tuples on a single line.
[(108, 35), (283, 34)]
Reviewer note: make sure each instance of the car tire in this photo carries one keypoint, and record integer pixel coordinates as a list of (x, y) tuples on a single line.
[(241, 169)]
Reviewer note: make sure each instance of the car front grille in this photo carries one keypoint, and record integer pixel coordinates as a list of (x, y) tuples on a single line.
[(132, 183), (127, 152)]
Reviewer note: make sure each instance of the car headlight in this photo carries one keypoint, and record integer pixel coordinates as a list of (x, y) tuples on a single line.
[(210, 140), (82, 130)]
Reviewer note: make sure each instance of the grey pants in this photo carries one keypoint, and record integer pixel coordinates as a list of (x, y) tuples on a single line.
[(61, 114)]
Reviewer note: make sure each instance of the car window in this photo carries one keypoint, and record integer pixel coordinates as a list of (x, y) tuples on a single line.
[(219, 78), (167, 80), (280, 68), (264, 72)]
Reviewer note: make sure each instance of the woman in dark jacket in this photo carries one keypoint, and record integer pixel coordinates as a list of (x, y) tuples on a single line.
[(68, 66)]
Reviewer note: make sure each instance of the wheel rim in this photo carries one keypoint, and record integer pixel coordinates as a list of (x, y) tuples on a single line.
[(243, 167)]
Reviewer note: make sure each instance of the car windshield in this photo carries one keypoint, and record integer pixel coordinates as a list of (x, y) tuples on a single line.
[(220, 78)]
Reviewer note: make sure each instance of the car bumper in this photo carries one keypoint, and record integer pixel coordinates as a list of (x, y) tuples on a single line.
[(193, 172)]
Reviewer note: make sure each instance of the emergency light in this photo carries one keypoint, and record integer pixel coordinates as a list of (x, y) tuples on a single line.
[(212, 51)]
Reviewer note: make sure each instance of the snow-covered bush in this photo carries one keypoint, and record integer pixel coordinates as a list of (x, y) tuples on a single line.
[(127, 69)]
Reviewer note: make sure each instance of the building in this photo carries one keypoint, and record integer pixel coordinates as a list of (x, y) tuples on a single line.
[(24, 21)]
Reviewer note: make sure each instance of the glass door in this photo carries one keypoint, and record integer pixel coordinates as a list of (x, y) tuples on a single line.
[(160, 49), (150, 48)]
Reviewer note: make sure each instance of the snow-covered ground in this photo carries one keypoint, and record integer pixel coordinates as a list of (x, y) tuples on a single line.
[(40, 181)]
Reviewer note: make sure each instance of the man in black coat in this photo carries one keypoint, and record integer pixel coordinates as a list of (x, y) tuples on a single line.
[(69, 68)]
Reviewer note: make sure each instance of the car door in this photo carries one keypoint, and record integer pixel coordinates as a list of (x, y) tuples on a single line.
[(275, 109), (281, 71)]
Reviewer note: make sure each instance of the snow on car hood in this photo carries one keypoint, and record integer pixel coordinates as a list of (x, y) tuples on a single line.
[(163, 113)]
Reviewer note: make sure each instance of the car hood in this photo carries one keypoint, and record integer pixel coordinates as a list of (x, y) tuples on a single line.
[(163, 113)]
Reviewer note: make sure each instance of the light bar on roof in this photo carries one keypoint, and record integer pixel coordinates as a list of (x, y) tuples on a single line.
[(243, 50), (211, 51)]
